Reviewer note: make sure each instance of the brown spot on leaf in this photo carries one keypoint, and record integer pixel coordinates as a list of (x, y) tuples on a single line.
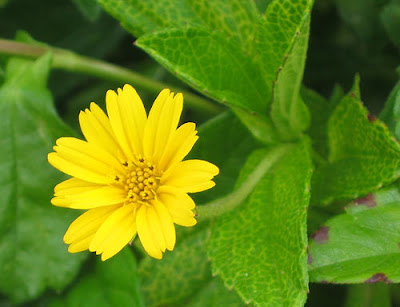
[(368, 201), (371, 117), (378, 277), (321, 235), (309, 259)]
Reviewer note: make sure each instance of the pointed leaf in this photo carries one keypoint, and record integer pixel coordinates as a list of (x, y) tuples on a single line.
[(363, 154), (391, 113), (266, 236), (32, 253)]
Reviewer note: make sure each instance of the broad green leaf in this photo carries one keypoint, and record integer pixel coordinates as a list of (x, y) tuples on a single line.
[(225, 142), (179, 275), (259, 249), (391, 113), (363, 154), (215, 294), (32, 254), (370, 295), (114, 283), (361, 245), (223, 72), (390, 17), (139, 17), (89, 8)]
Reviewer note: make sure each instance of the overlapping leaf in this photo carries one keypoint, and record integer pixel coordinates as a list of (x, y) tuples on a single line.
[(363, 154), (259, 249), (114, 283), (32, 254), (361, 245)]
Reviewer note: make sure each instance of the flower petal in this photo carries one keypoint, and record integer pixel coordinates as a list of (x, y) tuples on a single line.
[(179, 146), (178, 204), (162, 122), (85, 161), (166, 223), (82, 230), (117, 230), (145, 233), (96, 128), (191, 175), (78, 194), (127, 117)]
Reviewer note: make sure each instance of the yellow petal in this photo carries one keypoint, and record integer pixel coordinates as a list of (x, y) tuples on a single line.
[(180, 144), (73, 186), (178, 204), (191, 175), (156, 228), (145, 233), (127, 117), (162, 122), (80, 246), (85, 226), (84, 161), (99, 196), (116, 231), (96, 128), (166, 223)]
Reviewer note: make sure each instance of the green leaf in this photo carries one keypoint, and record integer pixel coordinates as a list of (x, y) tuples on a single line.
[(361, 245), (223, 72), (89, 8), (363, 154), (391, 113), (233, 17), (32, 253), (217, 137), (114, 283), (266, 236), (215, 294), (179, 275), (282, 41), (370, 295)]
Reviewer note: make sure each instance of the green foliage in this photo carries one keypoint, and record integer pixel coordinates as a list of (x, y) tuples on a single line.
[(253, 242), (32, 254), (363, 155), (361, 245), (113, 283), (290, 159)]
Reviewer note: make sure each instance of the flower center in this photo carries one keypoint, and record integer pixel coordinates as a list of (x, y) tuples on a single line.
[(140, 181)]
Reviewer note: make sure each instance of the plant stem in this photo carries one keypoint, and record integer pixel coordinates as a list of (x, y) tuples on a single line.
[(70, 61), (227, 203)]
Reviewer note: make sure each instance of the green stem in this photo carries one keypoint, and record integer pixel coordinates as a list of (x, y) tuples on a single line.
[(70, 61), (227, 203)]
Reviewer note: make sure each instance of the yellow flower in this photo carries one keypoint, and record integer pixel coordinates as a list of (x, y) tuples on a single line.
[(129, 175)]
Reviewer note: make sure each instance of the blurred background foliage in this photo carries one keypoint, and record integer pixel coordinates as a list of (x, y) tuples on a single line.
[(347, 37)]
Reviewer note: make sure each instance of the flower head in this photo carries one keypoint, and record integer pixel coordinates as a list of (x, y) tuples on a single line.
[(129, 175)]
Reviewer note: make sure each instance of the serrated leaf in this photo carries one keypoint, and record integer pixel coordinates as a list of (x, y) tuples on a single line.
[(233, 17), (370, 295), (114, 283), (391, 112), (363, 154), (179, 275), (361, 245), (222, 72), (32, 253), (266, 236)]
